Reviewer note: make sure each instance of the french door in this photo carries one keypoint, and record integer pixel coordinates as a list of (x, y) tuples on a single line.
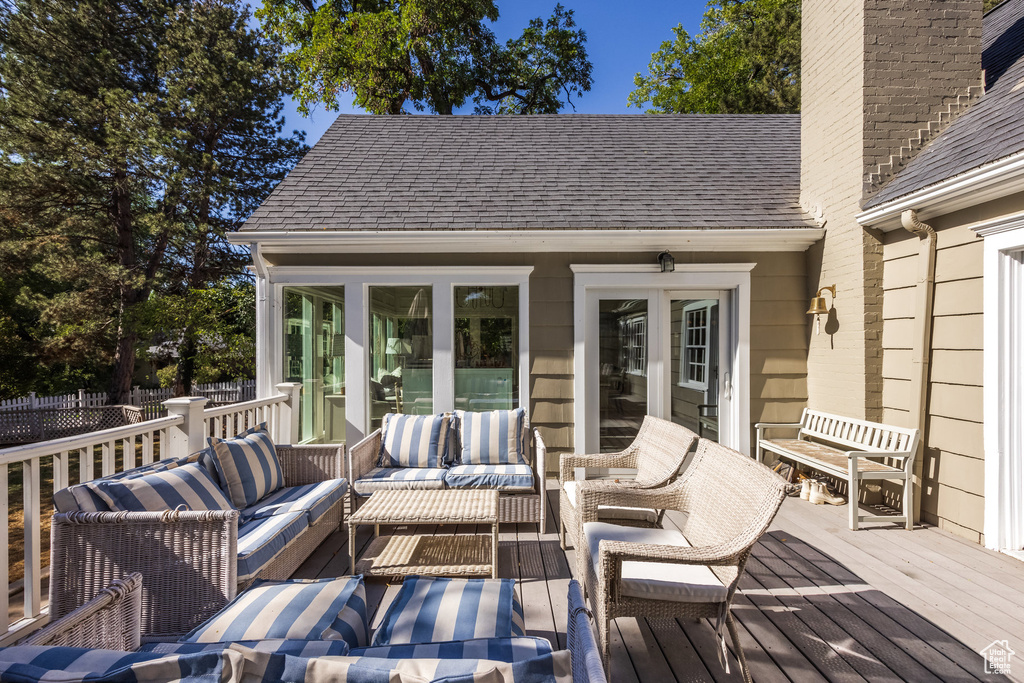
[(671, 353)]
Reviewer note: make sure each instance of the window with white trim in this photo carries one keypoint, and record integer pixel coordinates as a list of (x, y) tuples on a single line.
[(695, 349), (633, 333)]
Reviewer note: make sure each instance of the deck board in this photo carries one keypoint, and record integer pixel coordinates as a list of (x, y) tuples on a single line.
[(818, 602)]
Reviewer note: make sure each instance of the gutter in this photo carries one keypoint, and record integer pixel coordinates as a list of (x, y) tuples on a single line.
[(527, 241), (984, 183), (922, 337)]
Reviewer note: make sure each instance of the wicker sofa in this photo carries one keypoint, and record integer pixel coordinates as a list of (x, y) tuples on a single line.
[(520, 501), (194, 562), (108, 626)]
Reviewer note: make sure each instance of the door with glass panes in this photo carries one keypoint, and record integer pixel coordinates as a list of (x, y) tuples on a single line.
[(662, 353)]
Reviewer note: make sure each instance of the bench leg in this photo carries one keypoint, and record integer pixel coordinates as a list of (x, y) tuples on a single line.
[(908, 500), (854, 495)]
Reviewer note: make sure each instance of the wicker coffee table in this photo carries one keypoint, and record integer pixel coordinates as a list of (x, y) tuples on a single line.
[(457, 555)]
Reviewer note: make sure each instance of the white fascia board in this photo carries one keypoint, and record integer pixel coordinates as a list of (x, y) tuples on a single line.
[(524, 241), (992, 181)]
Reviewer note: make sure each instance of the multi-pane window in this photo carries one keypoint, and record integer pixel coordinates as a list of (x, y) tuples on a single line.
[(696, 347), (633, 332)]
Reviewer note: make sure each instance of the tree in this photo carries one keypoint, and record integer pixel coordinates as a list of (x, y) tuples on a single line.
[(746, 60), (133, 132), (435, 55)]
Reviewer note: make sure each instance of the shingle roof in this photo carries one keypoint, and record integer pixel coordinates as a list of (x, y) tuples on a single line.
[(536, 172), (992, 128)]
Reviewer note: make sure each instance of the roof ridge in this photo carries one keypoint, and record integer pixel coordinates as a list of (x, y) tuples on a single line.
[(955, 107)]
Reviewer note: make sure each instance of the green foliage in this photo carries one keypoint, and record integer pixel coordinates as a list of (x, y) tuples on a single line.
[(991, 4), (218, 323), (745, 60), (436, 55), (134, 134)]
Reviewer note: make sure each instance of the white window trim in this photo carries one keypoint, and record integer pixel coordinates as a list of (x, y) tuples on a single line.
[(644, 280), (357, 282), (1003, 382), (686, 383)]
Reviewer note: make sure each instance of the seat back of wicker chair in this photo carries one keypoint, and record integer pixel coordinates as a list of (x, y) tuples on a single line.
[(730, 499), (661, 446)]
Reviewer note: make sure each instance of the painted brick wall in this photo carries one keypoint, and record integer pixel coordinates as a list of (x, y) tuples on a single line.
[(831, 185)]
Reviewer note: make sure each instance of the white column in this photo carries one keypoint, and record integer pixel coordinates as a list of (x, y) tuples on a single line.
[(190, 435), (288, 423)]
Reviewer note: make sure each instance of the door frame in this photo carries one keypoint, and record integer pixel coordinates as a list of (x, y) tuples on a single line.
[(593, 281)]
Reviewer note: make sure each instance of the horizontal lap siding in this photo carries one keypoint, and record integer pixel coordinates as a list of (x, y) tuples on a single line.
[(953, 467)]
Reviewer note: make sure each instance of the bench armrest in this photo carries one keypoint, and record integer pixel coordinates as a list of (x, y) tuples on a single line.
[(777, 425), (363, 457), (311, 464)]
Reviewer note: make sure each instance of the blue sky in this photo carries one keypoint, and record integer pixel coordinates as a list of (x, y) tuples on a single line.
[(620, 39)]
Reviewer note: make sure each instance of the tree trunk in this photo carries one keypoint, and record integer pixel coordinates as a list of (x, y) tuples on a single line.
[(185, 376), (128, 293)]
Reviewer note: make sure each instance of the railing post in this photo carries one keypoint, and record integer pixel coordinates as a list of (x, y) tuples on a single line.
[(288, 427), (189, 436)]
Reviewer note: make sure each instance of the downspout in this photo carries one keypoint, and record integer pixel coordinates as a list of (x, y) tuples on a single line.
[(922, 338)]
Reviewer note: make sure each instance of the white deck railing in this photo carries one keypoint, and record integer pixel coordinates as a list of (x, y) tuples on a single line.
[(82, 458)]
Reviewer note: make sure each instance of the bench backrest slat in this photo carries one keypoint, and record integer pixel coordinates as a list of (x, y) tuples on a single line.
[(857, 434)]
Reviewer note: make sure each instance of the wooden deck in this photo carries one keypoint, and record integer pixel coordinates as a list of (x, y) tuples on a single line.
[(818, 602)]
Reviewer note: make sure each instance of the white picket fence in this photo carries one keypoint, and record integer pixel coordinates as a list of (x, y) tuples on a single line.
[(183, 431), (149, 400)]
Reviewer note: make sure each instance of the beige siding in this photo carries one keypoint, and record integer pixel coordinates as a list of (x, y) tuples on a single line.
[(952, 472)]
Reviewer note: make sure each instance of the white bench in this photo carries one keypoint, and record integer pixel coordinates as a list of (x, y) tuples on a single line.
[(848, 448)]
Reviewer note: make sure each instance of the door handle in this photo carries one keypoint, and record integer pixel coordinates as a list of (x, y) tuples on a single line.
[(727, 386)]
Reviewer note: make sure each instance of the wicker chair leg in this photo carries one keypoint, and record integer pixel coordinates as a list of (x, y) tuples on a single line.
[(744, 669), (561, 533)]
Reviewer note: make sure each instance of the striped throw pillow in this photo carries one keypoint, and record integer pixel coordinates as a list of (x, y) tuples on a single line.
[(493, 438), (320, 609), (414, 440), (247, 466), (496, 649), (434, 610), (189, 485)]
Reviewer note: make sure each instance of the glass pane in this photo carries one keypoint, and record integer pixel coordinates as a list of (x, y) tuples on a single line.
[(694, 368), (314, 354), (401, 352), (486, 348), (623, 358)]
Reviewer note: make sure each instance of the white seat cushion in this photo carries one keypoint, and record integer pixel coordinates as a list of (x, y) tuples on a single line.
[(656, 580), (611, 512)]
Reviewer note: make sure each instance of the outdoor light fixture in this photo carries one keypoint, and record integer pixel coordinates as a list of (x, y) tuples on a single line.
[(818, 306), (668, 264)]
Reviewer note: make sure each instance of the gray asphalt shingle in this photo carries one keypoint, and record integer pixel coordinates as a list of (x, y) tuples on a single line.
[(537, 172), (991, 129)]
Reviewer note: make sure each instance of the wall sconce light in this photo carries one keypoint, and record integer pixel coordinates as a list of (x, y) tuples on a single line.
[(667, 262), (818, 306)]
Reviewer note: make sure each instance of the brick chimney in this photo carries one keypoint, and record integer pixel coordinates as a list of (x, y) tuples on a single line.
[(879, 78)]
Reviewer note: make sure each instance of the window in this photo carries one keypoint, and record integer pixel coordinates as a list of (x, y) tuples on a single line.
[(401, 352), (634, 344), (314, 354), (486, 347), (697, 344)]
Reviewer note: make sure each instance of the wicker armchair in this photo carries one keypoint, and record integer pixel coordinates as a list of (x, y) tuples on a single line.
[(656, 454), (110, 621), (729, 500), (187, 558)]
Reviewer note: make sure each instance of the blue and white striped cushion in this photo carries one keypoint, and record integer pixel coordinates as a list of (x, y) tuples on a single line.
[(390, 478), (313, 499), (261, 540), (189, 485), (75, 664), (414, 440), (280, 646), (493, 438), (495, 649), (434, 610), (322, 609), (247, 466), (501, 477)]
